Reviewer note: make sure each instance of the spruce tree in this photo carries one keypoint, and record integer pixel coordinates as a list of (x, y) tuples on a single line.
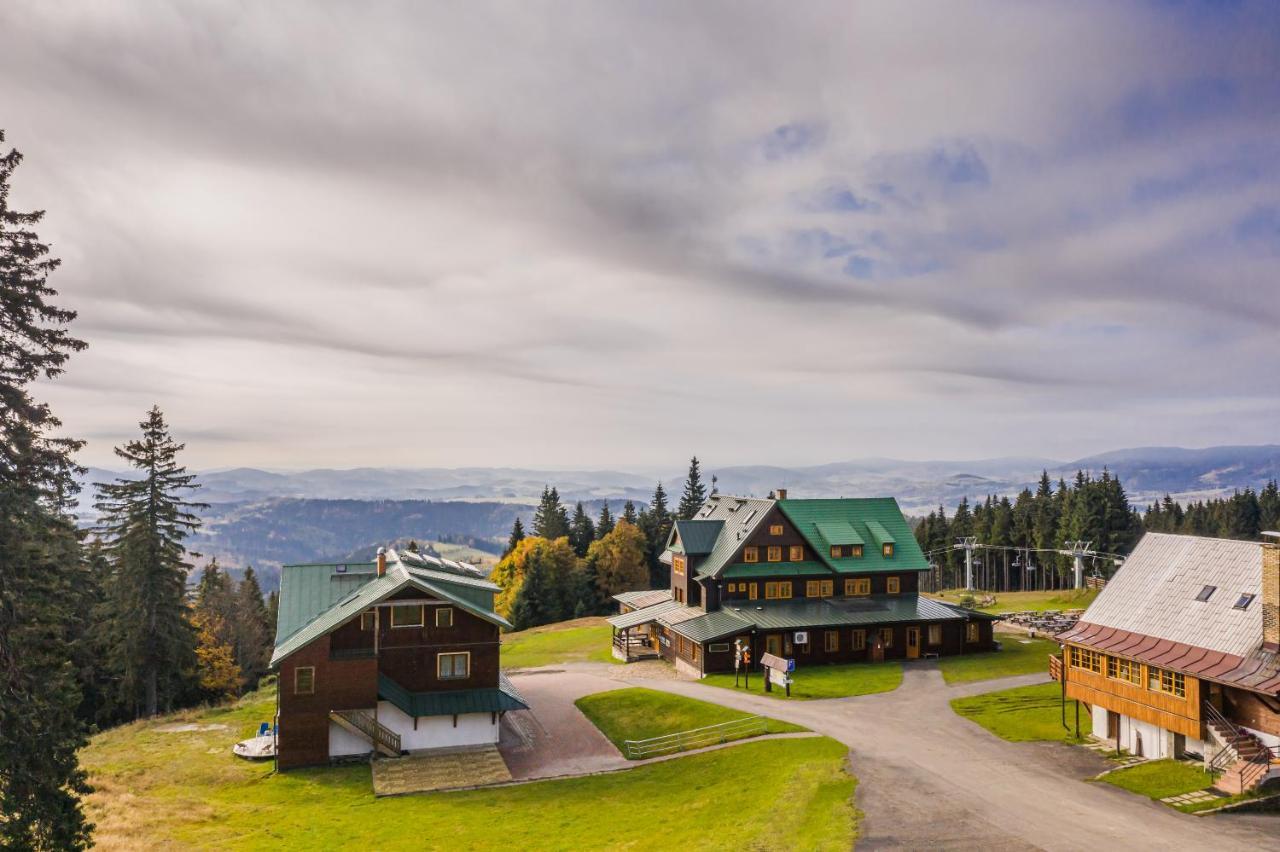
[(655, 522), (604, 526), (42, 608), (517, 536), (629, 513), (253, 629), (581, 531), (550, 520), (695, 493), (148, 639)]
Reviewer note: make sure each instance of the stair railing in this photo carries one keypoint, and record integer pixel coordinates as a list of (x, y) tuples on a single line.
[(371, 728)]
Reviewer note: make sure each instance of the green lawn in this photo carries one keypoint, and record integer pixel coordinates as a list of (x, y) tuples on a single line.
[(186, 790), (637, 714), (581, 640), (1159, 779), (1013, 658), (836, 681), (1025, 601), (1023, 714)]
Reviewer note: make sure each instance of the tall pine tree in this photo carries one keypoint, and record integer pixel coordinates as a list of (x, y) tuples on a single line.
[(517, 536), (604, 526), (581, 531), (695, 493), (149, 642), (41, 567)]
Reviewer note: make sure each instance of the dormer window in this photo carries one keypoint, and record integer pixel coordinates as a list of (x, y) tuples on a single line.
[(1206, 593), (1244, 601), (836, 551), (887, 550), (856, 551)]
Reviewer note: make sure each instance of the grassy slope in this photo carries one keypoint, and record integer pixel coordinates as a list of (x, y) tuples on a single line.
[(581, 640), (637, 714), (835, 681), (1021, 715), (1013, 658), (186, 789), (1026, 601), (1160, 779)]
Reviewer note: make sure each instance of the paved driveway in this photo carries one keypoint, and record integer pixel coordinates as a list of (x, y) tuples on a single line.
[(556, 739), (929, 778)]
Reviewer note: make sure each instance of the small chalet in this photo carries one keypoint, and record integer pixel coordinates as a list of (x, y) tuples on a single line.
[(390, 656), (819, 581), (1180, 654)]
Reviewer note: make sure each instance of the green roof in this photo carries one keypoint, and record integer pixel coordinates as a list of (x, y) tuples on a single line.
[(698, 537), (644, 615), (838, 532), (308, 590), (741, 570), (454, 701), (879, 516)]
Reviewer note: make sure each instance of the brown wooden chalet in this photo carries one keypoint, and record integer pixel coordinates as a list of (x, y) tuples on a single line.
[(392, 656), (1180, 653), (819, 581)]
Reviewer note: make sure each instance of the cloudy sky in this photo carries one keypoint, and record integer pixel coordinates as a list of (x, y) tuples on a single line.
[(612, 234)]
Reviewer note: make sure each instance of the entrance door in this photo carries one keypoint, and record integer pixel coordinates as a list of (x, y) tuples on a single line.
[(913, 643), (1113, 724), (773, 644)]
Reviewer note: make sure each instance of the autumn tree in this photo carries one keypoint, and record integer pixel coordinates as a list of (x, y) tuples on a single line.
[(617, 561)]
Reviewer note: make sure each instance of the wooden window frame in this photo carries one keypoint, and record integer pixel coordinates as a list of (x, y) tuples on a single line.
[(893, 585), (858, 641), (733, 588), (784, 589), (750, 554), (368, 620), (718, 648), (466, 655), (812, 588), (886, 550), (827, 588), (776, 529), (971, 633), (855, 551), (678, 564), (854, 584), (796, 553), (446, 611), (311, 687), (837, 552), (933, 636), (831, 641), (886, 637), (754, 593), (774, 553), (420, 623)]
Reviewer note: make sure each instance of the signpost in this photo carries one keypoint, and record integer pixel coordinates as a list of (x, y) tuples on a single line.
[(741, 660), (780, 670)]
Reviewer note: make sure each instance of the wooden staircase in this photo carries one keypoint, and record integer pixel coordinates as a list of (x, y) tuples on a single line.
[(1244, 759), (362, 724)]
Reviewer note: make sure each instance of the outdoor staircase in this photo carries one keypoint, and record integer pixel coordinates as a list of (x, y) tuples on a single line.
[(362, 724), (1244, 759)]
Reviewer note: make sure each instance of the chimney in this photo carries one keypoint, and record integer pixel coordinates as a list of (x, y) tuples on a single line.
[(382, 561), (1271, 592), (782, 493)]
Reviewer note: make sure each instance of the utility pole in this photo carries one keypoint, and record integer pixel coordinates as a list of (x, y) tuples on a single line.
[(967, 544), (1078, 550)]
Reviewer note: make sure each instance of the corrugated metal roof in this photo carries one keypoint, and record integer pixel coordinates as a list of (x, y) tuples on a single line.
[(698, 537), (741, 516), (707, 626), (741, 570), (838, 532), (860, 513), (1154, 593), (643, 597), (644, 615), (308, 590), (879, 533), (455, 701)]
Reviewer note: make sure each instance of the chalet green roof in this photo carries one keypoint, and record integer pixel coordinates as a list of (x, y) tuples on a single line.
[(837, 532), (697, 537), (879, 516), (747, 570), (712, 625), (455, 701), (644, 615), (312, 603)]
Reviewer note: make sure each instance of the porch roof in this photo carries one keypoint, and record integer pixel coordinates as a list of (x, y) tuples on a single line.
[(644, 615), (452, 702)]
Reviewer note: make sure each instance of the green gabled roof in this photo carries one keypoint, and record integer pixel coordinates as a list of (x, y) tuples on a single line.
[(308, 590), (879, 533), (860, 513), (455, 701), (747, 570), (697, 537), (837, 532)]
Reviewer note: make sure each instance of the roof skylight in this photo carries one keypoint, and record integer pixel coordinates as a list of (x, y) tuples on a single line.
[(1244, 601), (1206, 593)]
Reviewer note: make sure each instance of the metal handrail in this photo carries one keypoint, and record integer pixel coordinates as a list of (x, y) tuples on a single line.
[(697, 737)]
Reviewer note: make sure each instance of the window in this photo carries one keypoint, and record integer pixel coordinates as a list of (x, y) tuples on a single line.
[(1243, 601), (718, 648), (304, 680), (780, 589), (836, 551), (750, 554), (368, 620), (775, 529), (409, 615), (856, 551), (797, 553), (859, 640), (886, 550), (755, 591), (935, 634), (893, 585), (971, 631), (732, 587), (831, 640), (455, 666), (1163, 680), (1206, 593), (1083, 658), (678, 594), (444, 616), (677, 564), (1127, 670), (828, 588), (886, 636), (811, 589), (775, 554), (858, 586)]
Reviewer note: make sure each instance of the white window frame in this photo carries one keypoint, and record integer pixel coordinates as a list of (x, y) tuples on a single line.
[(466, 655), (442, 610), (421, 622)]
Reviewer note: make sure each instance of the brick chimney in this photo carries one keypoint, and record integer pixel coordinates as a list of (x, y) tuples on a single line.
[(382, 561), (1271, 591), (782, 493)]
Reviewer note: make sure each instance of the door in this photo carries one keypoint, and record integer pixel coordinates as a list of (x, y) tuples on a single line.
[(773, 644), (1113, 724), (913, 643)]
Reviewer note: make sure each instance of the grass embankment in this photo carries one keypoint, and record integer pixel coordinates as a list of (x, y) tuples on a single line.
[(637, 714), (581, 640), (1160, 779), (837, 681), (186, 790), (1024, 714), (1015, 657), (1061, 599)]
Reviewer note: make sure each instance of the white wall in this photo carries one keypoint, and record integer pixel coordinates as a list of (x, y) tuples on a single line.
[(438, 731), (343, 743)]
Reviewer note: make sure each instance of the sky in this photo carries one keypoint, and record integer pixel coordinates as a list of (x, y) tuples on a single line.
[(535, 234)]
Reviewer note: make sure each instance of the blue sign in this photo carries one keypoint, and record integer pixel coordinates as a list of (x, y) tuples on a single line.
[(791, 665)]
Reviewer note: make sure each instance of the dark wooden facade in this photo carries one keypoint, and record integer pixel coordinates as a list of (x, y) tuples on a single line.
[(337, 684)]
